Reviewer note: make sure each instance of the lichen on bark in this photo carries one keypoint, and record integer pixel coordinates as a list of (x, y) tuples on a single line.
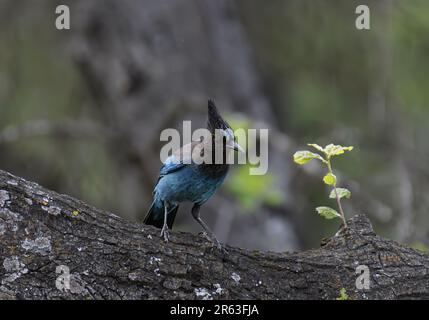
[(108, 257)]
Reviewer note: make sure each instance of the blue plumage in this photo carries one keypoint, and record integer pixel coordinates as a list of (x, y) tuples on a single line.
[(196, 183), (190, 183)]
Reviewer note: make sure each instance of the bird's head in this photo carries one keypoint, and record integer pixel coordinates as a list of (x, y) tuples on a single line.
[(217, 123)]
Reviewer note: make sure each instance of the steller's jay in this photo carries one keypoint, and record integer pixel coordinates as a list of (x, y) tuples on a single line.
[(180, 182)]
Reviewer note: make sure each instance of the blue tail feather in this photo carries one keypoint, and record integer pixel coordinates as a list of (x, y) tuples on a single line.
[(155, 214)]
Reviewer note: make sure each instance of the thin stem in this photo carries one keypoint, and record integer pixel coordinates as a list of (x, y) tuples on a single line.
[(340, 207)]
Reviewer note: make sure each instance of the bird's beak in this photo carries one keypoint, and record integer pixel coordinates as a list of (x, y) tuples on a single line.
[(237, 147)]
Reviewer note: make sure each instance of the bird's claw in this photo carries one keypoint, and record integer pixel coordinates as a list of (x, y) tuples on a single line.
[(215, 242), (205, 235), (165, 233), (221, 247)]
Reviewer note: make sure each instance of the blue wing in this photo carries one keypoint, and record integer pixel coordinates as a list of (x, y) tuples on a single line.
[(170, 165), (175, 162)]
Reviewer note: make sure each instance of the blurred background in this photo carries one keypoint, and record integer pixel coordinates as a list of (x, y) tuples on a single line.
[(81, 110)]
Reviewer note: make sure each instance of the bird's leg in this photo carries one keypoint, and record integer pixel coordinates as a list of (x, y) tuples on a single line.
[(164, 230), (196, 214)]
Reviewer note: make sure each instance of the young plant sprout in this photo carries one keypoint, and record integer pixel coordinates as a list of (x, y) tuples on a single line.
[(331, 150)]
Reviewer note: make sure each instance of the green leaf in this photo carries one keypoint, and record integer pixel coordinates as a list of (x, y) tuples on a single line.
[(316, 146), (343, 295), (342, 193), (328, 213), (330, 179), (302, 157), (335, 150)]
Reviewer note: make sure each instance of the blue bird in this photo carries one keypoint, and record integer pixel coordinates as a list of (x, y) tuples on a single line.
[(187, 181)]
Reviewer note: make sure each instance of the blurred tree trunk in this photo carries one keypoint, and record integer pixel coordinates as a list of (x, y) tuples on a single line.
[(54, 246)]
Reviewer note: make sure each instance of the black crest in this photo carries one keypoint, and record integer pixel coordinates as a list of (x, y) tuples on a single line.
[(215, 121)]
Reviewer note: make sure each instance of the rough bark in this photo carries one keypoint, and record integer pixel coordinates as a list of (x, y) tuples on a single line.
[(111, 258)]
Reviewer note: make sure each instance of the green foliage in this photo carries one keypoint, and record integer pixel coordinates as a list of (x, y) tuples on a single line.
[(302, 157), (365, 86), (253, 191), (341, 192), (343, 295), (335, 150), (330, 179), (328, 213), (331, 150)]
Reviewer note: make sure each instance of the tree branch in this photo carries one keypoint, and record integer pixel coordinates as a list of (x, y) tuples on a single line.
[(43, 233)]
